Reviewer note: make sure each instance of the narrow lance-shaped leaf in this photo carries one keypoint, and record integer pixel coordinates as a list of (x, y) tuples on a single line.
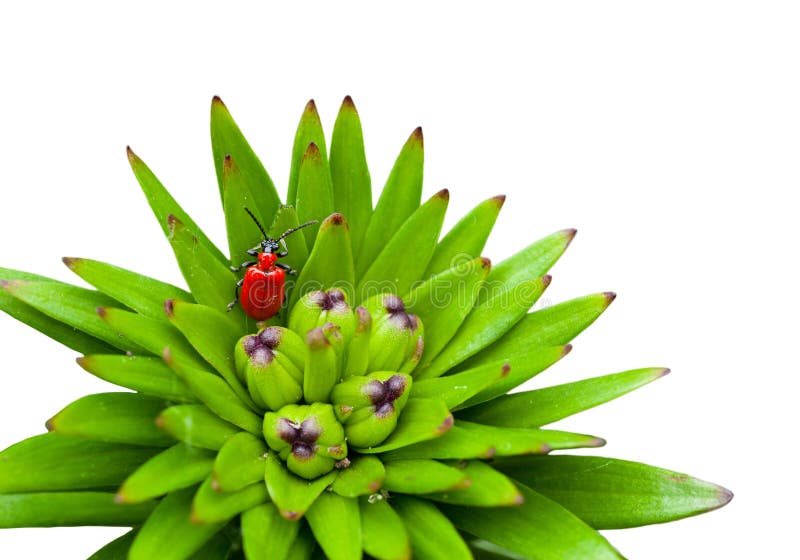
[(227, 140), (404, 258), (169, 534), (538, 528), (178, 467), (534, 260), (364, 476), (330, 264), (163, 205), (488, 322), (544, 406), (309, 130), (444, 301), (266, 535), (551, 326), (615, 494), (284, 220), (114, 418), (61, 332), (116, 549), (431, 532), (421, 420), (243, 233), (71, 305), (467, 238), (239, 463), (457, 388), (293, 495), (51, 462), (143, 374), (212, 506), (352, 191), (196, 425), (488, 488), (383, 533), (314, 198), (399, 199), (140, 293), (467, 440), (422, 476), (336, 524), (69, 509)]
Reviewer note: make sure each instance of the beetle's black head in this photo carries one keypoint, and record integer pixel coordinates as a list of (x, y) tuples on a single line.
[(270, 245)]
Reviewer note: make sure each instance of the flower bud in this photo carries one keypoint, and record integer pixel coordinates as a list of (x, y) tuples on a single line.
[(271, 364), (307, 437), (357, 355), (368, 406), (397, 336), (322, 367), (317, 308)]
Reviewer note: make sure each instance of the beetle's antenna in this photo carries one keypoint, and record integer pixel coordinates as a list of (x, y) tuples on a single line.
[(294, 229), (264, 233)]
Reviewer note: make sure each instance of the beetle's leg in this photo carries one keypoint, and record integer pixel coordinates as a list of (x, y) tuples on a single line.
[(254, 251), (235, 294), (281, 254), (287, 268), (243, 265)]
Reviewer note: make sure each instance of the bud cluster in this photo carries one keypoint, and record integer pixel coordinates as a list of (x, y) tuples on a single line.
[(335, 377)]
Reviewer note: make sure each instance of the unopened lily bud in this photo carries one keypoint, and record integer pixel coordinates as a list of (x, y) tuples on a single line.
[(271, 364), (322, 367), (317, 308), (307, 437), (368, 406), (357, 355), (395, 335)]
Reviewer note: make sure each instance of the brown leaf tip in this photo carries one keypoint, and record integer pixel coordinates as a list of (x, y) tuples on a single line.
[(311, 108), (486, 263), (119, 498), (348, 102), (217, 100), (50, 424), (312, 152), (663, 372), (500, 199), (70, 261), (290, 515), (101, 311), (336, 219), (566, 350), (610, 296), (519, 499), (169, 308), (569, 234), (443, 194), (417, 135), (445, 426), (546, 279), (506, 369)]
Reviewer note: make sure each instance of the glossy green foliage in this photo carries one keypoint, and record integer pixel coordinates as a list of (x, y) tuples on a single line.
[(64, 509)]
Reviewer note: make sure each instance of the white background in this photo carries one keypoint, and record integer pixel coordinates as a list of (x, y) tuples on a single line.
[(667, 133)]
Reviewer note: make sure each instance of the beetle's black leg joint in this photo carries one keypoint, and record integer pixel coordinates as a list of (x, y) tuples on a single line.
[(235, 294), (243, 265), (287, 268), (282, 254)]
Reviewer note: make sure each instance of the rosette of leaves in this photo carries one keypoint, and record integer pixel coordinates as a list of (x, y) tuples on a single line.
[(373, 416)]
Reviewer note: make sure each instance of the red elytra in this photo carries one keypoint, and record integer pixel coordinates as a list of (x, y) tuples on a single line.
[(264, 283)]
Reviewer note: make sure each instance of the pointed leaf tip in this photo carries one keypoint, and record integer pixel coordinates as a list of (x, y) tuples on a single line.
[(546, 279), (169, 307), (70, 261), (567, 349), (132, 157), (486, 263), (444, 194), (610, 296), (101, 311), (500, 199), (445, 426), (417, 135), (335, 219), (569, 233), (348, 102), (311, 107), (217, 100), (312, 152)]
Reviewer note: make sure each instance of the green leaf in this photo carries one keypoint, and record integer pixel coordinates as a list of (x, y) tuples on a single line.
[(147, 375), (113, 418), (522, 367), (68, 509), (336, 524), (544, 406), (330, 264), (163, 205), (178, 467), (239, 463), (266, 535), (243, 233), (457, 388), (467, 441), (403, 259), (216, 394), (219, 547), (383, 533), (293, 495), (423, 476), (615, 494), (484, 550), (210, 280), (364, 476), (399, 199), (286, 219), (116, 549), (50, 462), (314, 198), (304, 546), (227, 139), (444, 301), (533, 261), (169, 534), (421, 420), (539, 529), (140, 293), (212, 506), (213, 335), (71, 305), (488, 488), (197, 426), (432, 534), (58, 331), (551, 326), (492, 318), (352, 190), (467, 238), (308, 130), (151, 334)]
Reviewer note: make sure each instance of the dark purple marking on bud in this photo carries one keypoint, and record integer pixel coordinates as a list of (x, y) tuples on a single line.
[(393, 304), (270, 337), (332, 299), (302, 450), (259, 347), (382, 394), (302, 437)]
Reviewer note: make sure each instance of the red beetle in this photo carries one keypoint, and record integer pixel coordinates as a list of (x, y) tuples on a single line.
[(263, 286)]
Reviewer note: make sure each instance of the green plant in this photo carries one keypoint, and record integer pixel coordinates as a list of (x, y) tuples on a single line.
[(372, 415)]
